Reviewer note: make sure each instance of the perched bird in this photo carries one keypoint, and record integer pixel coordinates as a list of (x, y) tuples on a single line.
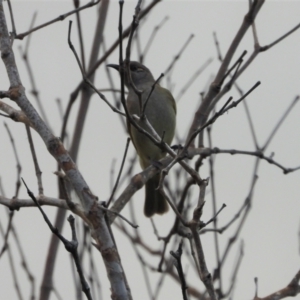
[(161, 113)]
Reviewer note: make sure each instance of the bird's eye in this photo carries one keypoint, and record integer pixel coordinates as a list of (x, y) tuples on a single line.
[(133, 68)]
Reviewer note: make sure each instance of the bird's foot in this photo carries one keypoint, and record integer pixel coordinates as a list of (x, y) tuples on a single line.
[(157, 164)]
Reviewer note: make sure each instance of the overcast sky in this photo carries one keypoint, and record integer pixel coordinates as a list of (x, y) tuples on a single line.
[(270, 235)]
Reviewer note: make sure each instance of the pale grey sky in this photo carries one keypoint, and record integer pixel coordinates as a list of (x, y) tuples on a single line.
[(271, 232)]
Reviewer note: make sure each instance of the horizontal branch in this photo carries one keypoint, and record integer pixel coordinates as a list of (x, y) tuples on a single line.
[(259, 154), (16, 204)]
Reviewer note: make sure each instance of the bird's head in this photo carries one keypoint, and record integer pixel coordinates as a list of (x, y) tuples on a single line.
[(140, 74)]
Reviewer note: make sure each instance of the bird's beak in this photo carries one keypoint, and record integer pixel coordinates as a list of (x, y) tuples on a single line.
[(116, 67)]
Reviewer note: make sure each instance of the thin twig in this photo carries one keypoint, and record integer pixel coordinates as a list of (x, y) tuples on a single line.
[(192, 79), (38, 171), (18, 166), (34, 91), (150, 93), (86, 79), (280, 123), (8, 230), (151, 38), (79, 29), (14, 32), (177, 263), (71, 246), (178, 55), (59, 18), (120, 172)]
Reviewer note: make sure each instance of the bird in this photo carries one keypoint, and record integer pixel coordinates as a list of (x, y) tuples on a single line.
[(160, 111)]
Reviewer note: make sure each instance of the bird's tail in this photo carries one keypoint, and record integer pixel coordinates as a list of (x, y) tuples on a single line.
[(155, 203)]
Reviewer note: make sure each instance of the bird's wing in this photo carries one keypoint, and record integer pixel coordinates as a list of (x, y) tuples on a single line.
[(170, 99)]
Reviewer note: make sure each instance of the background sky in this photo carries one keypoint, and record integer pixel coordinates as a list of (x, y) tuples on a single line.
[(271, 233)]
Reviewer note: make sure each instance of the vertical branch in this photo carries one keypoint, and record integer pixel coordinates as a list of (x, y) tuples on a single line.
[(215, 220), (122, 78), (194, 225), (120, 172), (82, 112), (34, 91), (81, 43), (90, 211), (19, 168), (178, 265), (13, 270), (38, 171), (87, 93), (14, 31), (204, 109)]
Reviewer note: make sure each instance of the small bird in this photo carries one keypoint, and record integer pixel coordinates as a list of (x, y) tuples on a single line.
[(161, 113)]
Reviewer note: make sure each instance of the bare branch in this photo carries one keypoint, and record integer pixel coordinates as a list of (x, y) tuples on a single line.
[(59, 18)]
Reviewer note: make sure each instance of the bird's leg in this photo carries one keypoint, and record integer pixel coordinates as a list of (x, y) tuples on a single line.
[(157, 164)]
